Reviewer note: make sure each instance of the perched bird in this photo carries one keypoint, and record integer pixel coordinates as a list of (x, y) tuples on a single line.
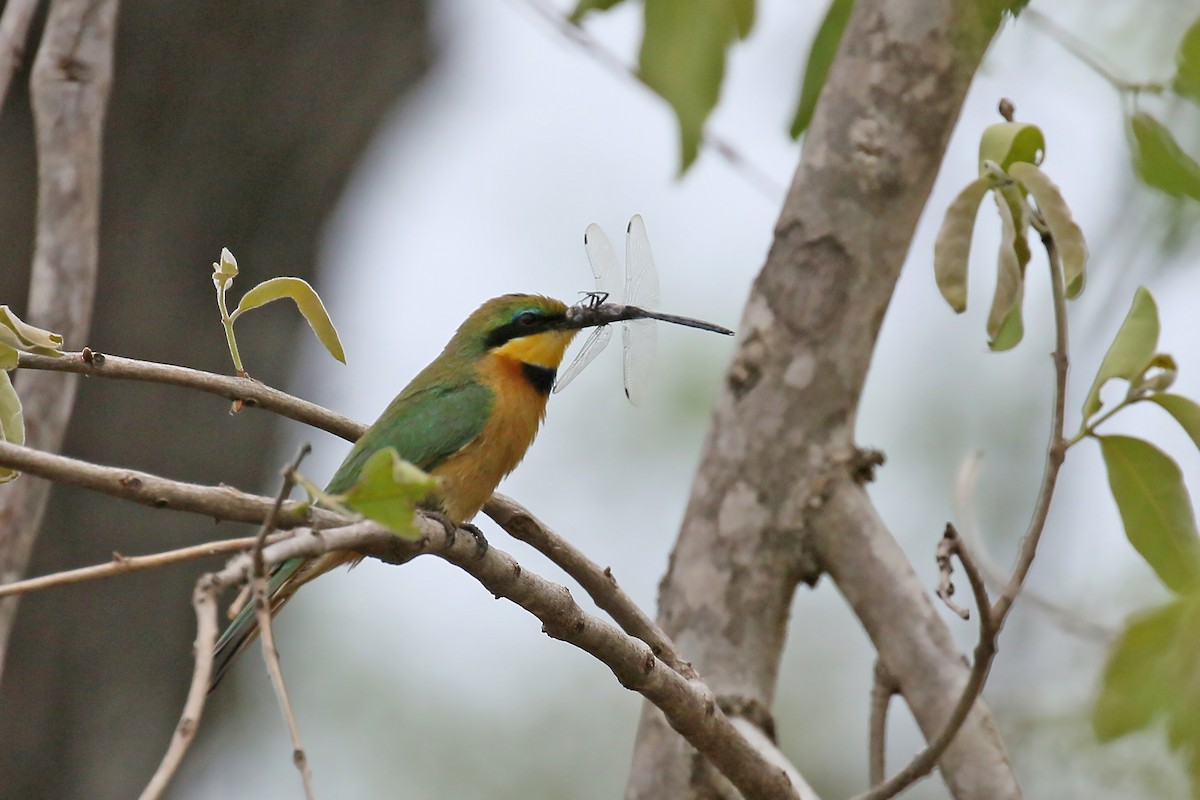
[(467, 419)]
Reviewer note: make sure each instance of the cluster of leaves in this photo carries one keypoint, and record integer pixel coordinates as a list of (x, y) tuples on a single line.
[(388, 487), (16, 337), (1153, 671), (1009, 155), (295, 289)]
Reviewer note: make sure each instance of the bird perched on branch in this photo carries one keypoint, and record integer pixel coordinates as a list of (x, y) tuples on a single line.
[(467, 419)]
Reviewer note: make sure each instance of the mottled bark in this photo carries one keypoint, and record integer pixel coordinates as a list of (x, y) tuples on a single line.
[(778, 498)]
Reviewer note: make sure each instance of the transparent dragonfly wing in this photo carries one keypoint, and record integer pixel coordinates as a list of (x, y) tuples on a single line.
[(639, 337), (603, 260), (591, 348)]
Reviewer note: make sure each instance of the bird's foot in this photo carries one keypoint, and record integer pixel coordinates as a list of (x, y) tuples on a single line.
[(448, 524), (481, 543)]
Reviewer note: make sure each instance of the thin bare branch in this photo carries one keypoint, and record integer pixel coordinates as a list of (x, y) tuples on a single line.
[(1066, 619), (599, 583), (14, 28), (69, 89), (247, 390), (985, 651), (1073, 45), (883, 688), (122, 564), (262, 610), (204, 600)]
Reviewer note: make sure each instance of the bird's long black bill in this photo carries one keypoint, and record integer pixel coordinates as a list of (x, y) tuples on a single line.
[(586, 316)]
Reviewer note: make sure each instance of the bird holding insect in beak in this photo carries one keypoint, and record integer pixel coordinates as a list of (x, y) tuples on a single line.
[(467, 419)]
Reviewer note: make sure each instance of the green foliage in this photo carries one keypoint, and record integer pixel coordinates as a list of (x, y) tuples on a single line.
[(295, 289), (1187, 64), (1072, 249), (1132, 351), (1153, 672), (1185, 411), (1159, 160), (820, 57), (1155, 509), (1004, 324), (953, 245), (683, 59), (1009, 154), (387, 491), (1006, 143), (18, 336), (585, 7)]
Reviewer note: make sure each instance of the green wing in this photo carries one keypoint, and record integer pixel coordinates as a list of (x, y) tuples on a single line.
[(426, 426)]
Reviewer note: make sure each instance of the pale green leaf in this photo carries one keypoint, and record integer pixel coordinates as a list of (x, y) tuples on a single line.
[(1072, 249), (952, 250), (20, 335), (1006, 143), (1185, 411), (227, 265), (1131, 351), (585, 7), (12, 423), (820, 55), (682, 58), (1187, 64), (1159, 160), (387, 491), (1004, 326), (1155, 509), (743, 12), (1140, 676), (9, 357), (306, 300)]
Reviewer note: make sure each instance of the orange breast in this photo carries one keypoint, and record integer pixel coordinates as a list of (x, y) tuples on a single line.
[(471, 475)]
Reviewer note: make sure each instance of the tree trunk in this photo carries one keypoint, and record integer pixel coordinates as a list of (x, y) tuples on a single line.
[(778, 498)]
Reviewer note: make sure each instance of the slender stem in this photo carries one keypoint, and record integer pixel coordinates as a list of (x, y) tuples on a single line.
[(992, 616), (227, 322), (1079, 50), (882, 689)]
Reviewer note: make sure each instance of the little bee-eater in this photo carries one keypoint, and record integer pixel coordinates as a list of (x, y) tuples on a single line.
[(467, 419)]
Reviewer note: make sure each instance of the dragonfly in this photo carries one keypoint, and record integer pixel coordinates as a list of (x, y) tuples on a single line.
[(634, 304)]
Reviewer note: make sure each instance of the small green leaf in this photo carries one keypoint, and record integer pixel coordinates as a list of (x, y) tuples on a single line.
[(9, 357), (1004, 326), (1072, 249), (1160, 161), (1138, 682), (1155, 509), (20, 335), (820, 56), (1185, 411), (952, 250), (387, 491), (585, 7), (1006, 143), (306, 300), (1131, 351), (12, 423), (683, 59), (1187, 64)]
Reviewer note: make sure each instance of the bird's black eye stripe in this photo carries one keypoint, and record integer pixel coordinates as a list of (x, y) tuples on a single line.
[(523, 323)]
